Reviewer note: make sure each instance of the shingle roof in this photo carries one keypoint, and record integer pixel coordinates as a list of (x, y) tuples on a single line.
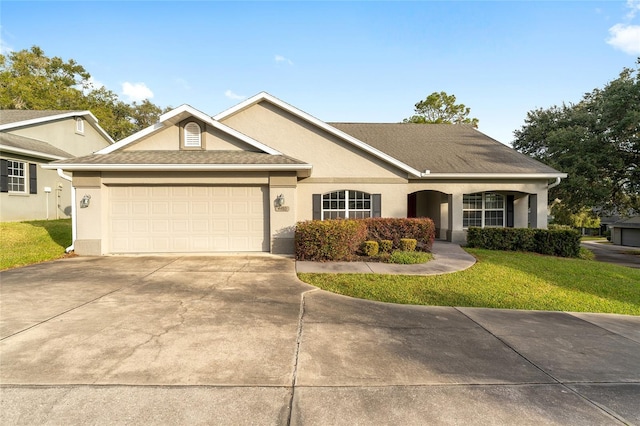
[(29, 144), (182, 157), (16, 115), (443, 148)]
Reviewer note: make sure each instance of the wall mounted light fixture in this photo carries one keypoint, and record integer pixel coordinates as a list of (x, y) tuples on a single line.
[(84, 202)]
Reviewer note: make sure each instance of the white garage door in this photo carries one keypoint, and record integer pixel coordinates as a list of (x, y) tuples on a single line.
[(188, 219)]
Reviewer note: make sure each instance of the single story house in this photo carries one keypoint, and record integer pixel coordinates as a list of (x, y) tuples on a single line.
[(29, 139), (626, 232), (241, 180)]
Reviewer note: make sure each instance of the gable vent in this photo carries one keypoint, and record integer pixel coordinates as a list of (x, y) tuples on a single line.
[(192, 137)]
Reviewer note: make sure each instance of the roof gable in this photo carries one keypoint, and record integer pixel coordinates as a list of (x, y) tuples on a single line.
[(179, 114), (14, 118), (266, 97)]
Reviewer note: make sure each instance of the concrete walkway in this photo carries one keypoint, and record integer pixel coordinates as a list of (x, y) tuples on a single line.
[(447, 258)]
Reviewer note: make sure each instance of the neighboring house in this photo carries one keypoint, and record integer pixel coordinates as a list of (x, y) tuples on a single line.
[(241, 180), (626, 232), (29, 139)]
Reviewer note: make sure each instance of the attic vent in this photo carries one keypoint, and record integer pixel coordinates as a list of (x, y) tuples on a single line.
[(192, 136), (79, 125)]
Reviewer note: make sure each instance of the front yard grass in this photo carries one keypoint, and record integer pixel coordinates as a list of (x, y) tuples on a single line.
[(508, 280), (24, 243)]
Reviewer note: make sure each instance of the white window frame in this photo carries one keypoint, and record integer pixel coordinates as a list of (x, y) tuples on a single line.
[(491, 204), (352, 205), (192, 138), (79, 125), (18, 179)]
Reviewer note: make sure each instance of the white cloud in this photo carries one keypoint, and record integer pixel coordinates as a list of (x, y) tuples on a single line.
[(625, 38), (280, 58), (229, 94), (634, 5), (136, 92)]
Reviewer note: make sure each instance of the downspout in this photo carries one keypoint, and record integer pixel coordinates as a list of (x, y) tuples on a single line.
[(74, 222), (554, 184)]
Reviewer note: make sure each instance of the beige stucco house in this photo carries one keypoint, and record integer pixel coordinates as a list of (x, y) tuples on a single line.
[(241, 180), (29, 139)]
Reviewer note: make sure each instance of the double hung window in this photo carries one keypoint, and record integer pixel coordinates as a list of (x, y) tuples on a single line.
[(346, 205), (482, 210)]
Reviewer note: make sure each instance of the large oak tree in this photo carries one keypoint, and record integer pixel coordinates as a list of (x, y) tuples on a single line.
[(596, 142)]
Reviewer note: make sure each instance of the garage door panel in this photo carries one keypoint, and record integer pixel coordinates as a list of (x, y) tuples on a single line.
[(188, 219)]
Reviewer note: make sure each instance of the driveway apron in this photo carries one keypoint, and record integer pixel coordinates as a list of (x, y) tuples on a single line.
[(240, 340)]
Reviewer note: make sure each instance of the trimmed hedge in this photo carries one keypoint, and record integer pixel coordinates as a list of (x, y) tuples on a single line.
[(554, 242), (369, 248), (340, 239), (329, 239), (420, 229)]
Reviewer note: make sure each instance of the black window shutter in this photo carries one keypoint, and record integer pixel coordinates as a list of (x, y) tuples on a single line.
[(510, 211), (376, 204), (33, 178), (317, 206), (4, 176)]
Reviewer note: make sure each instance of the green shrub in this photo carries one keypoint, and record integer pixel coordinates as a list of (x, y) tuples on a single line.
[(421, 229), (408, 244), (369, 248), (386, 246), (409, 257), (560, 242), (323, 240), (586, 254)]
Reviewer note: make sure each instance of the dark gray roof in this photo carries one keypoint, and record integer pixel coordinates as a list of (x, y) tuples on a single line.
[(443, 148), (182, 157), (632, 222), (29, 144), (16, 115)]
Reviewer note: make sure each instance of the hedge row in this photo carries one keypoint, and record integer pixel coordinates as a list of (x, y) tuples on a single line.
[(560, 242), (323, 240)]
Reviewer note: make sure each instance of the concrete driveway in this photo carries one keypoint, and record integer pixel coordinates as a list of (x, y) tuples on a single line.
[(240, 340), (612, 253)]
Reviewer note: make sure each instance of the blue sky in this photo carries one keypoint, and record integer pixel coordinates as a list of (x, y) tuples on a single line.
[(340, 61)]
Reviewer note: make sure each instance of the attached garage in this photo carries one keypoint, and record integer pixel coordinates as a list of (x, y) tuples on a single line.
[(630, 237), (188, 219)]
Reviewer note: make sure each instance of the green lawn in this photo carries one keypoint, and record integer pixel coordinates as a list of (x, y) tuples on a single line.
[(24, 243), (508, 280)]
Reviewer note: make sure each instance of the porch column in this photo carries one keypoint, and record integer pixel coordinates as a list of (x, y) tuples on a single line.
[(538, 210), (455, 233), (444, 217), (521, 212)]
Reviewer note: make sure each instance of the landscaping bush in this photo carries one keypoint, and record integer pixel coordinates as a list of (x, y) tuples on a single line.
[(369, 248), (386, 246), (408, 244), (323, 240), (560, 242), (394, 229)]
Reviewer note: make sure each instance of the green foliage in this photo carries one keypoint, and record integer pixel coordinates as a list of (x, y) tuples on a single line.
[(439, 107), (506, 280), (386, 246), (370, 248), (31, 80), (24, 243), (563, 243), (323, 240), (409, 257), (408, 244), (596, 142), (394, 229), (585, 218), (586, 254)]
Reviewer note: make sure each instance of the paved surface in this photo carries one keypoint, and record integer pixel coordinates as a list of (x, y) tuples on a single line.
[(239, 340), (611, 253), (447, 258)]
